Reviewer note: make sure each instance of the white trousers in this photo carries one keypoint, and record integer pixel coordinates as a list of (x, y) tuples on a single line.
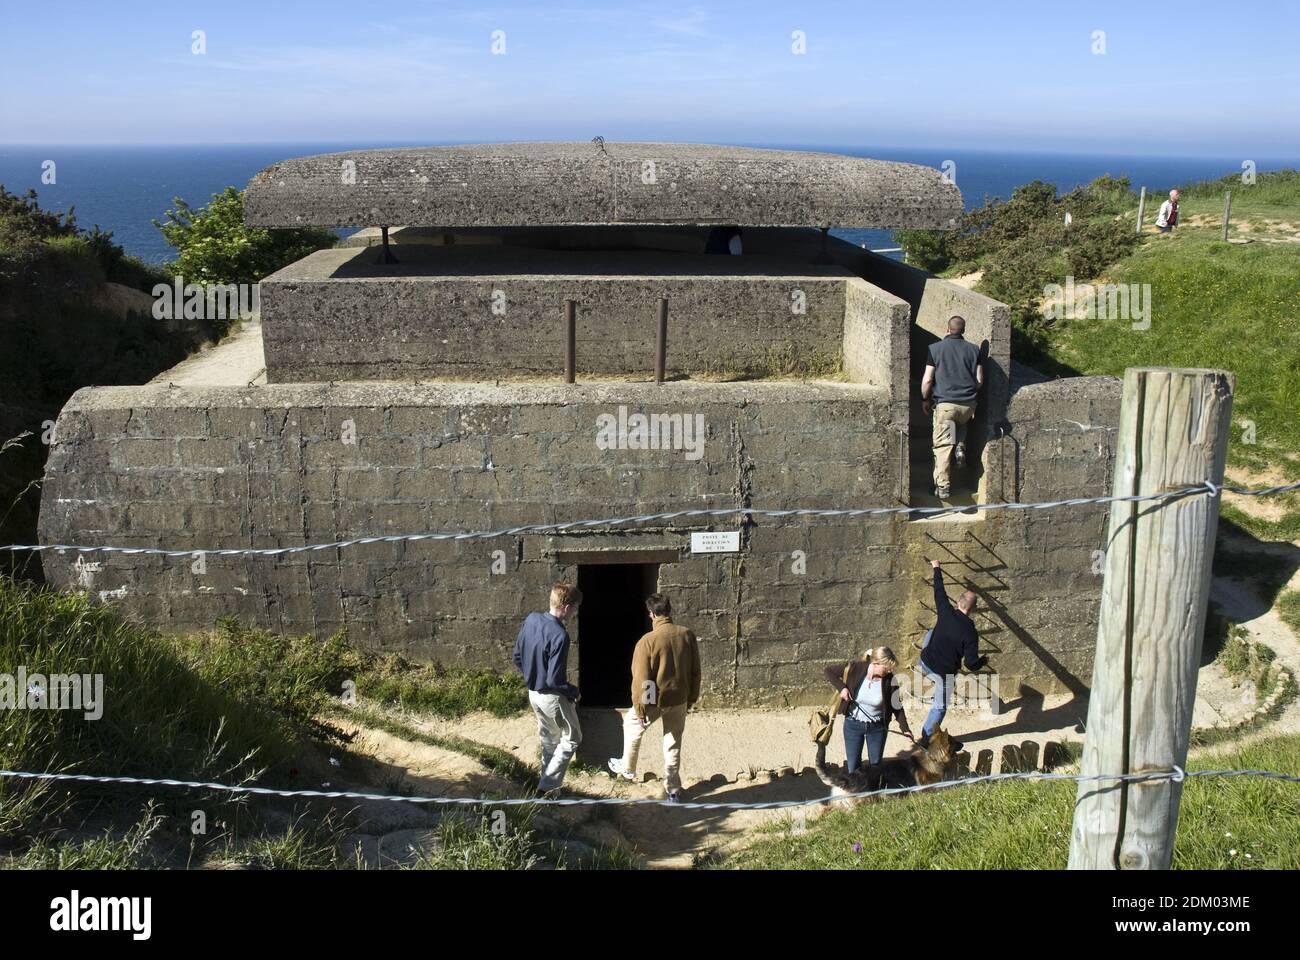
[(559, 732), (674, 719)]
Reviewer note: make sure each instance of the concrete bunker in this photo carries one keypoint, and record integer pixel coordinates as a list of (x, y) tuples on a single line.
[(397, 400)]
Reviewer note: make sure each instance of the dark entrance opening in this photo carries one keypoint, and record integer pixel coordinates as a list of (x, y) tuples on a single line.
[(611, 620)]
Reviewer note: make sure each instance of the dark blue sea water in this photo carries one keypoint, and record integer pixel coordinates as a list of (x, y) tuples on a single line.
[(123, 189)]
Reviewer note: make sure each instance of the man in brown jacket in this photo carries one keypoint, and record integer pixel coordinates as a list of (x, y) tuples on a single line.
[(665, 683)]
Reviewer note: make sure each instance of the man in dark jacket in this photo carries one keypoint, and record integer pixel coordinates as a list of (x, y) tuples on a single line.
[(542, 656), (952, 641), (954, 375)]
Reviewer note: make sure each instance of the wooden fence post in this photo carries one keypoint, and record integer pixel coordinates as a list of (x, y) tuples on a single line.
[(1227, 213), (1142, 205), (1173, 434)]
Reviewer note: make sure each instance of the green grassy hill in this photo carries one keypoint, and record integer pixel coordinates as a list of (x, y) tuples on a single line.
[(1234, 306)]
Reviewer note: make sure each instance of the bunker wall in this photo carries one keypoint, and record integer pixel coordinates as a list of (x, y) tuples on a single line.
[(276, 466), (319, 326)]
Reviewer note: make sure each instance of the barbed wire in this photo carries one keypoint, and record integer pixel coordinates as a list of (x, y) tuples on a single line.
[(1176, 773), (1206, 487)]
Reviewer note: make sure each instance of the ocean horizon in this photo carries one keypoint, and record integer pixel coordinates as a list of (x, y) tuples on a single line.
[(123, 188)]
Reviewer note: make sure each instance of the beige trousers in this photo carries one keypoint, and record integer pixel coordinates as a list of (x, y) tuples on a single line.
[(674, 719), (950, 421)]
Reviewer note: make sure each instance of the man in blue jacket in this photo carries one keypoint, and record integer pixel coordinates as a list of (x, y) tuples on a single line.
[(953, 640), (542, 656)]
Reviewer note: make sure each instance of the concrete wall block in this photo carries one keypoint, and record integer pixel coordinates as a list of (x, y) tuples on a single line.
[(454, 451), (369, 483), (133, 454)]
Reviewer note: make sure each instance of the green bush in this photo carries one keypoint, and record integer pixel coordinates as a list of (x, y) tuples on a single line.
[(925, 249), (1024, 244), (214, 246), (46, 251)]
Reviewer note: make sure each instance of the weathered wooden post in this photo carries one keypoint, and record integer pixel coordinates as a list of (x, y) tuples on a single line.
[(1142, 205), (661, 341), (1173, 434), (570, 341), (1227, 213)]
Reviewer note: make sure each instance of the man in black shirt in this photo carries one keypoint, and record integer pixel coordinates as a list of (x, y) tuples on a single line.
[(953, 378), (952, 641)]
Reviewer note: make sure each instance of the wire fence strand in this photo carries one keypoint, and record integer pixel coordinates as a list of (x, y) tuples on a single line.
[(1177, 774), (1205, 488)]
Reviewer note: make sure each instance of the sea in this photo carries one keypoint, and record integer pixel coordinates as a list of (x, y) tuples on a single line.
[(123, 189)]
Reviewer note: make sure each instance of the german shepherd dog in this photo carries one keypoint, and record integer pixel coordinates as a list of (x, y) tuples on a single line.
[(915, 766)]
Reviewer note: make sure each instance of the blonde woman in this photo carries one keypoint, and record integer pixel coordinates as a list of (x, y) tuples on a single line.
[(868, 699)]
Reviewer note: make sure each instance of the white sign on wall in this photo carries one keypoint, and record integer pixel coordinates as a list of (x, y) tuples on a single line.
[(727, 542)]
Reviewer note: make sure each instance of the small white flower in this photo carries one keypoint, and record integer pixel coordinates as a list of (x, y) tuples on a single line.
[(1232, 853), (1227, 834), (1249, 857)]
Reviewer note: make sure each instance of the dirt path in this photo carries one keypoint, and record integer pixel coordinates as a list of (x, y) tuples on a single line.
[(759, 755), (237, 361), (1238, 600)]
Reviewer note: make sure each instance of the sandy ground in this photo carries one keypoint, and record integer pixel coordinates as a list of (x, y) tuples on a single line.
[(739, 755), (235, 362)]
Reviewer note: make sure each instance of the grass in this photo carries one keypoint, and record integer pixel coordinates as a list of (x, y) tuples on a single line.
[(443, 691), (1272, 196), (783, 361), (1252, 663), (1026, 825), (1288, 608), (305, 844), (106, 852), (465, 844), (159, 714), (234, 704), (1215, 304), (503, 763)]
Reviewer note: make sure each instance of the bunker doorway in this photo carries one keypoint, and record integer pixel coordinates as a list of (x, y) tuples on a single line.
[(611, 620)]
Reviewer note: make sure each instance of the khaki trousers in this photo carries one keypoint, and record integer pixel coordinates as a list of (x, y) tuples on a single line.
[(950, 421), (674, 719)]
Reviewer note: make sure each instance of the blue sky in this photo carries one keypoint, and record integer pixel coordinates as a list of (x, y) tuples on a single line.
[(1187, 78)]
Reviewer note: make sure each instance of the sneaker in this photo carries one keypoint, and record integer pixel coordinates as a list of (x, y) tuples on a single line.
[(943, 493), (675, 796), (548, 793), (616, 767)]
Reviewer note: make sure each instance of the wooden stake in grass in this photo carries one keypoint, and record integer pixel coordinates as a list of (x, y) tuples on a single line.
[(1227, 212), (1173, 434), (1142, 205)]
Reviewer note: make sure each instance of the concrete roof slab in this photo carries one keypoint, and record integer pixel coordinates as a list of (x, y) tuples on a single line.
[(576, 183)]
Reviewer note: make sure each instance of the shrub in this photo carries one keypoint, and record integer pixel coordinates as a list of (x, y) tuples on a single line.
[(1024, 244), (214, 246)]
